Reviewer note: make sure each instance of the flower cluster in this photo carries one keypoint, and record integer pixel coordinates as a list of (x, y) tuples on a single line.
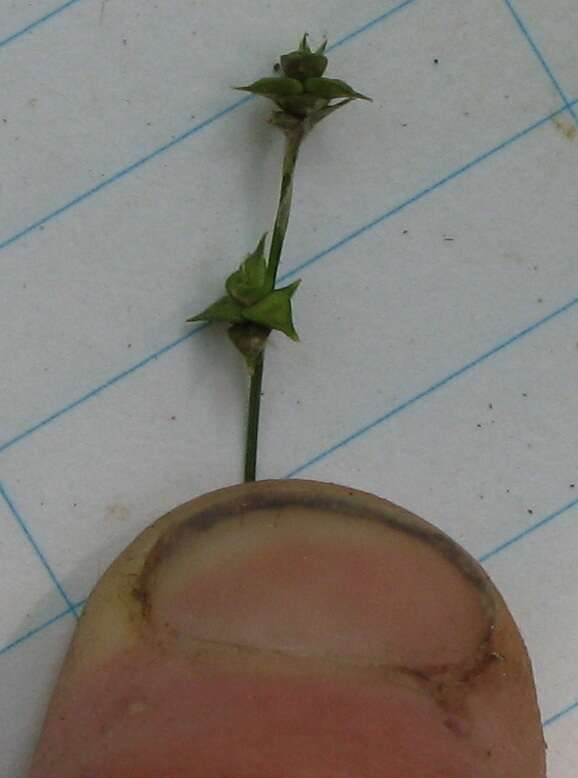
[(301, 90), (253, 306)]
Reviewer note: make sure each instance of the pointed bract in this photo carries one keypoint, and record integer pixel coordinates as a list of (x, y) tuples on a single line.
[(274, 311), (250, 283), (224, 309), (274, 87), (332, 89)]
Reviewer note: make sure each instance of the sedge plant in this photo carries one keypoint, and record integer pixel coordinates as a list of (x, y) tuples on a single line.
[(252, 305)]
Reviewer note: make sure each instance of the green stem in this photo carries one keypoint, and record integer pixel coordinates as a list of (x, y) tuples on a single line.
[(293, 142), (253, 425)]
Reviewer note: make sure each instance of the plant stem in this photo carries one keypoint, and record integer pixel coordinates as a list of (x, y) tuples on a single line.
[(253, 424), (292, 144)]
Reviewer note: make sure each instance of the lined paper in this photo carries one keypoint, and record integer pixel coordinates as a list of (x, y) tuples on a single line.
[(435, 233)]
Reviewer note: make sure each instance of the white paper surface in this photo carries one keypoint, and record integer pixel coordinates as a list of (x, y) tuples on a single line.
[(434, 230)]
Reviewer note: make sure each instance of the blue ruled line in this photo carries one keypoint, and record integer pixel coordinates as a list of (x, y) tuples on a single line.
[(37, 550), (427, 190), (528, 531), (34, 25), (372, 23), (121, 173), (541, 58), (433, 388), (100, 388), (31, 633), (564, 712)]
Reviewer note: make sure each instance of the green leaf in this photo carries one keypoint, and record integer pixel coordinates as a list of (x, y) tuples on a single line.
[(274, 311), (321, 49), (224, 309), (274, 87), (249, 283), (332, 88)]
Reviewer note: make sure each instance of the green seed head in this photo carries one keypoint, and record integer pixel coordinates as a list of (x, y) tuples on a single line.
[(252, 305), (303, 64), (302, 92)]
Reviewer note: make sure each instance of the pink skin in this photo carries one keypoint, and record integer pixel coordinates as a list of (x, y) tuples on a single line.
[(293, 630)]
